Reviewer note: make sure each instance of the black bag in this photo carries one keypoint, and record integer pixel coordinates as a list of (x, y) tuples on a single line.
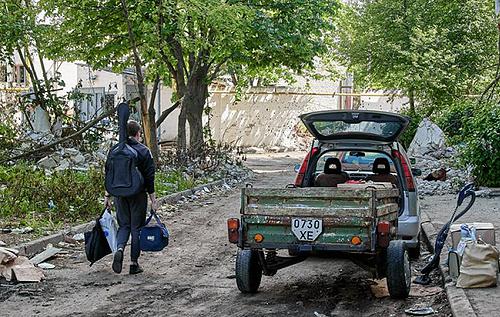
[(154, 237), (96, 245), (122, 177)]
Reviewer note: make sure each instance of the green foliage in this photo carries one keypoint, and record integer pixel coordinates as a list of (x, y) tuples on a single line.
[(438, 50), (453, 120), (174, 181), (30, 196), (481, 146)]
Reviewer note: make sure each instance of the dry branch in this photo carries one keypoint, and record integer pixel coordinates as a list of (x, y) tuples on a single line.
[(89, 125)]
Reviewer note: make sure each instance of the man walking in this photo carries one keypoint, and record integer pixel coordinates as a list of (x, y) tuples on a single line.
[(131, 211)]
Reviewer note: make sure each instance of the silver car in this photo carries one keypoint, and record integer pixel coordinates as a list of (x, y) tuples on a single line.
[(365, 144)]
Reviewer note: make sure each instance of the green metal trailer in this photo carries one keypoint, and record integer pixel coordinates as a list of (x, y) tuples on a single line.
[(359, 224)]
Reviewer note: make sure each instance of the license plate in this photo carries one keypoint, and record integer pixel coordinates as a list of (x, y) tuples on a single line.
[(307, 229)]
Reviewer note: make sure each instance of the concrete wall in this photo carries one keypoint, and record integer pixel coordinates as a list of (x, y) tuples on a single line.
[(264, 117)]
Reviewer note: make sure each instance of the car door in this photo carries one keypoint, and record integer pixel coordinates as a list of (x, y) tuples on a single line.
[(339, 125)]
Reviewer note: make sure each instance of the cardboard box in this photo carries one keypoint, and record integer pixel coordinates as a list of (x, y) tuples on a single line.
[(485, 231)]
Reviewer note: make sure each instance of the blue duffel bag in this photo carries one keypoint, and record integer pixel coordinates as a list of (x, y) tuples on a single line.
[(154, 237)]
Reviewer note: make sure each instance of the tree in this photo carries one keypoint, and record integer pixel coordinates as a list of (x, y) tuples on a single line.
[(434, 51), (20, 33), (190, 42)]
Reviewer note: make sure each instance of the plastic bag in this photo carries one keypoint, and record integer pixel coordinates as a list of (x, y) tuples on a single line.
[(479, 265), (110, 229)]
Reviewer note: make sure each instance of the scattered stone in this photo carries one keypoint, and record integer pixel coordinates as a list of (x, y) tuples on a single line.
[(79, 237), (71, 152), (47, 163), (78, 159), (46, 266), (22, 230)]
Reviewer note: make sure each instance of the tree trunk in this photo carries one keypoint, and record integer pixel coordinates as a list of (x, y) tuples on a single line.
[(181, 128), (148, 120), (195, 101), (411, 97)]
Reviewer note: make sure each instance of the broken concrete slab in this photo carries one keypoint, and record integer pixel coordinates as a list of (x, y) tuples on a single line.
[(429, 140), (6, 256), (22, 270), (45, 255), (47, 163)]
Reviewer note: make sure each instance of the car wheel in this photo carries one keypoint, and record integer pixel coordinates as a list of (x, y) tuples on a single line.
[(248, 271), (398, 270)]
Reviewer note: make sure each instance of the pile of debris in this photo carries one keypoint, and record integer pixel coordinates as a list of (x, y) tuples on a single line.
[(15, 267), (436, 161), (71, 158)]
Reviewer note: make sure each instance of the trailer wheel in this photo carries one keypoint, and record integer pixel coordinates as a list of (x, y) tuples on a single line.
[(248, 271), (398, 270)]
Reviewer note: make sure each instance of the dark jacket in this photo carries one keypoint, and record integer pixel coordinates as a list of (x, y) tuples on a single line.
[(146, 165)]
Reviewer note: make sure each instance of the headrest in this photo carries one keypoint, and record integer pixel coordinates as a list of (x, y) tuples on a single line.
[(332, 166), (381, 166)]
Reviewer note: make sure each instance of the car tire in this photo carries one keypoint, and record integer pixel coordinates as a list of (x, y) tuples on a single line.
[(248, 271), (398, 270)]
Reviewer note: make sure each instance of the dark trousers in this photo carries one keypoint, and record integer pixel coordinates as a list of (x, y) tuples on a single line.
[(131, 215)]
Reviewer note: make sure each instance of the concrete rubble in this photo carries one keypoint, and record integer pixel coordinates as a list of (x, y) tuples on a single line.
[(71, 158), (15, 267), (436, 160)]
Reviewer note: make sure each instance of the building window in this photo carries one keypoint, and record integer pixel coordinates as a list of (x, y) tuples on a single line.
[(3, 73), (19, 74)]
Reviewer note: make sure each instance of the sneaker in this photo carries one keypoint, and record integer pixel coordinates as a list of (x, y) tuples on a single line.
[(135, 269), (118, 261)]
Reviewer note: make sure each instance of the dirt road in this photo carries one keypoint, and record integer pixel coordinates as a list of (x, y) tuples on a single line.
[(194, 276)]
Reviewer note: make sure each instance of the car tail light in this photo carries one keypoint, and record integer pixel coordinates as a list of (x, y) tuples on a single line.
[(233, 226), (383, 233), (410, 184), (303, 168)]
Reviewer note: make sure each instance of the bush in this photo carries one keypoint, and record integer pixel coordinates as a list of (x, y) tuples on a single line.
[(29, 196), (481, 146), (453, 119)]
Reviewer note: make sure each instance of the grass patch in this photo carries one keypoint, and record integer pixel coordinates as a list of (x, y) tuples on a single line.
[(175, 181), (31, 197)]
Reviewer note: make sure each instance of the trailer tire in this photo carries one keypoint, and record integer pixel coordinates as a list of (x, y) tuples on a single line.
[(398, 270), (248, 271)]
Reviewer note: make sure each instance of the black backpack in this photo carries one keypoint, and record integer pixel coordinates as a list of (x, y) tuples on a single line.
[(122, 177)]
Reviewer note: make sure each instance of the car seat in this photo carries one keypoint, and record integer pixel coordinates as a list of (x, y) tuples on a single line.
[(332, 174), (382, 172)]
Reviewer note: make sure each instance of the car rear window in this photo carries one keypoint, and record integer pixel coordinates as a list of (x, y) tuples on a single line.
[(338, 128)]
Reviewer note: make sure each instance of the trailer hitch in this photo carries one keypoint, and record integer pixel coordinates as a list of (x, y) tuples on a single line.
[(272, 262)]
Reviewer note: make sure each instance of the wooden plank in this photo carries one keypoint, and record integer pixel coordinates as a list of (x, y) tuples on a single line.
[(45, 255), (319, 192), (279, 210), (316, 192)]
